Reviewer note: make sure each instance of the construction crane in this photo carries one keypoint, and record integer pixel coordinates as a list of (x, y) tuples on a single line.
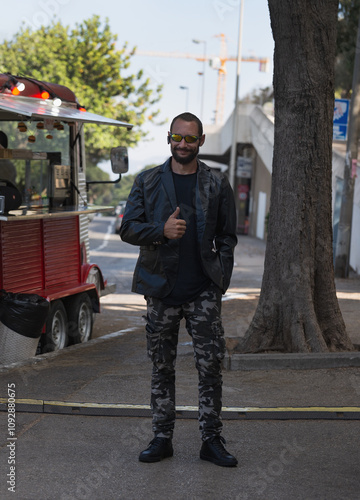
[(216, 62)]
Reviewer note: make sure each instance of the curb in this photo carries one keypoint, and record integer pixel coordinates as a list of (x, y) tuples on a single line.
[(296, 361), (231, 362), (185, 411)]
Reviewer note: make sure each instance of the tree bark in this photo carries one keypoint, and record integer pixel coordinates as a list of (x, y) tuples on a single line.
[(298, 310)]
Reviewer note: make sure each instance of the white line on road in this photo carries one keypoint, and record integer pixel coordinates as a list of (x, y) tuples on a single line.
[(118, 333), (106, 237)]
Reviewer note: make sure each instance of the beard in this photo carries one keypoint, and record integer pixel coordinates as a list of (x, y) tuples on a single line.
[(184, 160)]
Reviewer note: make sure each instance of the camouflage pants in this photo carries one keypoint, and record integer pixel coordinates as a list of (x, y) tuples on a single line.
[(203, 323)]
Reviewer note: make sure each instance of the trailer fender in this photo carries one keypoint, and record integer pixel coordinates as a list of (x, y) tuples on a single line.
[(91, 273)]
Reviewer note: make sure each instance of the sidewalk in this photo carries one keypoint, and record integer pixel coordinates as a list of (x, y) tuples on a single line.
[(245, 290), (82, 417)]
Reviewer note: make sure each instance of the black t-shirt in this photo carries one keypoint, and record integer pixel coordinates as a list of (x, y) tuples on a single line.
[(191, 280)]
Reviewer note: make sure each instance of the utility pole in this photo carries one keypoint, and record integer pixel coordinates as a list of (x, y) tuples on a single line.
[(342, 252), (203, 79), (187, 96), (233, 155)]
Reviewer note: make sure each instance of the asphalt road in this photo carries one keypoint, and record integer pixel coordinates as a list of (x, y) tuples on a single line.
[(122, 310), (115, 258)]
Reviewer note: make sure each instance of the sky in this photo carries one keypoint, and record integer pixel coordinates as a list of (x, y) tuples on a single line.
[(163, 26)]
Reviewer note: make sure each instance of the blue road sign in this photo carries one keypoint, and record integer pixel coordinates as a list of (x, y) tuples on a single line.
[(341, 118)]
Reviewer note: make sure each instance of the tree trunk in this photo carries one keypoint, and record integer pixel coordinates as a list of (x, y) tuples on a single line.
[(298, 310)]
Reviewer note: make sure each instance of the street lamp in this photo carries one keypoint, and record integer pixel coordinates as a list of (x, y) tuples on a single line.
[(203, 75), (187, 96), (233, 155)]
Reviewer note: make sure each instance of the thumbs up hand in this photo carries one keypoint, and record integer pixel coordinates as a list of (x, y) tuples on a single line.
[(174, 228)]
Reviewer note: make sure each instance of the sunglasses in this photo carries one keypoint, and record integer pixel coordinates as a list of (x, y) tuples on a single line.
[(190, 139)]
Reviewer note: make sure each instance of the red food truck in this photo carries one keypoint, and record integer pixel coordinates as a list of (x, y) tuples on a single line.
[(44, 213)]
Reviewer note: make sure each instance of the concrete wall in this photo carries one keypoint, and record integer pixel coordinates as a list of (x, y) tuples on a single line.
[(338, 164), (262, 135), (260, 193), (218, 138), (355, 232)]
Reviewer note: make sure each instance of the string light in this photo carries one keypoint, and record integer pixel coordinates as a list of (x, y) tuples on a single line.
[(57, 102), (44, 93), (14, 85)]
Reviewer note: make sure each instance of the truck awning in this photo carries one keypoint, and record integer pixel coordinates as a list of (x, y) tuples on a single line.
[(17, 108)]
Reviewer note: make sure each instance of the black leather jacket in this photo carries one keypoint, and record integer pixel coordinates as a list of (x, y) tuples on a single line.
[(151, 202)]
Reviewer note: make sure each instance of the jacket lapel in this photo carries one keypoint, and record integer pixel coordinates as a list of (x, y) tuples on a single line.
[(168, 183), (202, 198)]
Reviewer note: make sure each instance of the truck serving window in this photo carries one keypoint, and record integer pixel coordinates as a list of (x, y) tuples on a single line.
[(33, 152)]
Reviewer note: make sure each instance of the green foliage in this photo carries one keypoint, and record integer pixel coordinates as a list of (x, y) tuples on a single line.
[(349, 11), (99, 194), (122, 190), (259, 96), (109, 194), (86, 60)]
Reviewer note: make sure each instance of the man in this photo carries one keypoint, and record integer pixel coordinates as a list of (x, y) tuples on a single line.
[(182, 214), (7, 168)]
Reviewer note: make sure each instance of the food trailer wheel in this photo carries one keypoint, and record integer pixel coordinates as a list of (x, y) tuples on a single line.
[(56, 336), (80, 319)]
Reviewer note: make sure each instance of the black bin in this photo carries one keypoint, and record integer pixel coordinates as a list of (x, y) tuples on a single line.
[(22, 317)]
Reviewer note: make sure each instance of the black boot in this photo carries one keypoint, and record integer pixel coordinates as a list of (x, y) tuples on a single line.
[(213, 450), (158, 449)]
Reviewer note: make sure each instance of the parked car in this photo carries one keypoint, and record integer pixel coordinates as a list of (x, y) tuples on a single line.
[(119, 213)]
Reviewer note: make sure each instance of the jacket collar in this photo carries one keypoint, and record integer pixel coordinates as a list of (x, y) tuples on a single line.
[(165, 167)]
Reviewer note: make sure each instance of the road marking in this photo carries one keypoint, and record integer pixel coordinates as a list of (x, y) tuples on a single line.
[(118, 333), (106, 237), (234, 295), (229, 413)]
